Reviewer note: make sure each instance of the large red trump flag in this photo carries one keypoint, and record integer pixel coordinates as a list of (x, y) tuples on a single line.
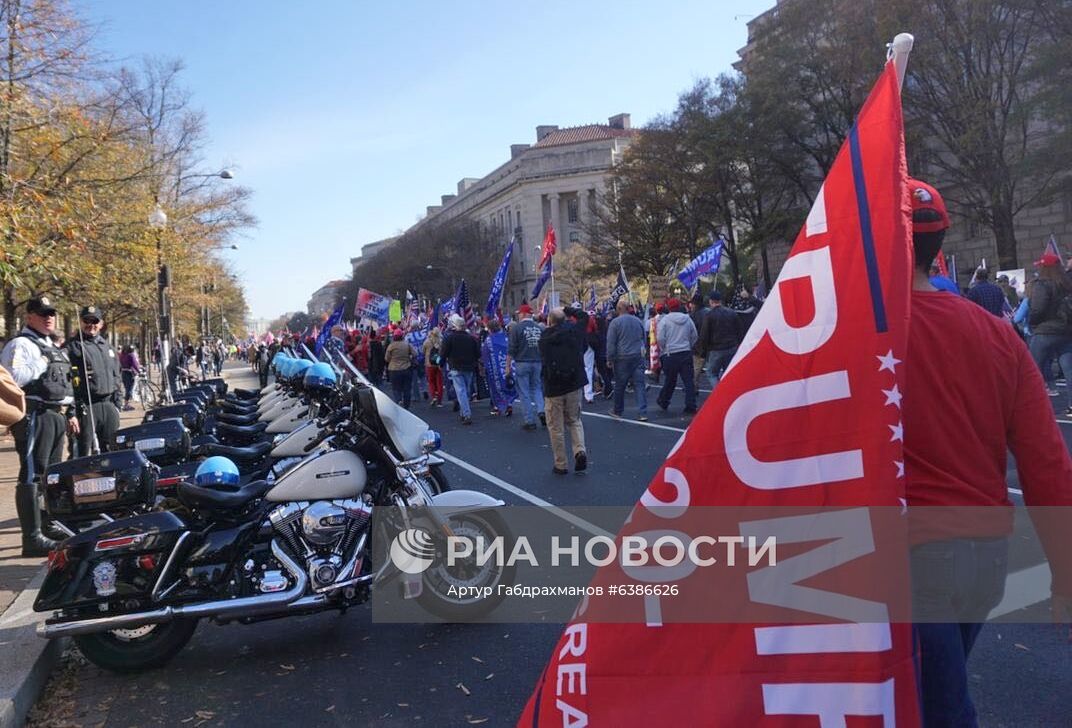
[(808, 414)]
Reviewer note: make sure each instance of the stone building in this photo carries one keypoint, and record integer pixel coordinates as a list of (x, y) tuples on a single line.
[(323, 299), (554, 181), (368, 252)]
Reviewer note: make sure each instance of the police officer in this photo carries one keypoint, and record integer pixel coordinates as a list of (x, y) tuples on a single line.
[(97, 381), (44, 373)]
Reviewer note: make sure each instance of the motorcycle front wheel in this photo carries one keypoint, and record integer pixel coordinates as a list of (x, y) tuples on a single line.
[(439, 578), (140, 648)]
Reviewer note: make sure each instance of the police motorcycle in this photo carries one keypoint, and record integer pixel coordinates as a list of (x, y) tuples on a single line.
[(177, 437), (131, 591)]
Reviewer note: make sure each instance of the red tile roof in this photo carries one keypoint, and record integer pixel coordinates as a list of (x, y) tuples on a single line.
[(587, 133)]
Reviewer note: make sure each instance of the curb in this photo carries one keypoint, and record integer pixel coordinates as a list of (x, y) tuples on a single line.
[(28, 660)]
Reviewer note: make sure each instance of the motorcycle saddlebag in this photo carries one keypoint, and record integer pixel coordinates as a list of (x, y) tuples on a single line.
[(86, 487), (192, 416), (165, 442), (115, 565)]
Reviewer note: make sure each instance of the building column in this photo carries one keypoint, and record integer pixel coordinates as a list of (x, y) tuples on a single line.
[(556, 218)]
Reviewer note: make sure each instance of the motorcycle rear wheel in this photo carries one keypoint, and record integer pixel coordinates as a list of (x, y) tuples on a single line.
[(135, 649)]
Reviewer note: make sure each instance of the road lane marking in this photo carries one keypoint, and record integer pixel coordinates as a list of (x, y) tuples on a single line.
[(525, 495), (634, 422)]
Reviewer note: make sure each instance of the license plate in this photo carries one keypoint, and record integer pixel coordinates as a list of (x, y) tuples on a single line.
[(150, 443), (94, 486)]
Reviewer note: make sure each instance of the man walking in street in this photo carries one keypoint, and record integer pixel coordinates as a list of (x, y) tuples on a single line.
[(986, 294), (96, 381), (625, 357), (523, 360), (720, 335), (462, 353), (676, 335), (562, 346), (949, 464), (44, 374)]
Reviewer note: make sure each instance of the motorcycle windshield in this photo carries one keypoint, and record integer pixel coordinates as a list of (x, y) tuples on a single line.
[(402, 426)]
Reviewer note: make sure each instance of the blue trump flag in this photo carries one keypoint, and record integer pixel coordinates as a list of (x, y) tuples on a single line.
[(325, 333), (620, 288), (545, 275), (499, 282), (704, 263)]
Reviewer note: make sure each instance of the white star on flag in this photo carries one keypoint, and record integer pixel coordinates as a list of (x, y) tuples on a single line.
[(888, 361), (893, 396), (900, 468), (898, 432)]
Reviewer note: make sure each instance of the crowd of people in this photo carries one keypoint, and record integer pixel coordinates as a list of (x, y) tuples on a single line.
[(546, 365), (1041, 314)]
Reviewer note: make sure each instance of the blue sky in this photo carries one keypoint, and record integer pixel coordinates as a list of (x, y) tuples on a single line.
[(348, 118)]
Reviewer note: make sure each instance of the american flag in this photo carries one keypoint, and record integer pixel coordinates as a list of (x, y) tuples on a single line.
[(464, 306)]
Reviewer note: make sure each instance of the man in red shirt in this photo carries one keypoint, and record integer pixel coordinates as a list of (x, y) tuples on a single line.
[(974, 392)]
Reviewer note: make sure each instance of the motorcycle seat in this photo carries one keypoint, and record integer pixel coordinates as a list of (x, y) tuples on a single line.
[(237, 408), (254, 428), (197, 497), (246, 393), (247, 454), (233, 418)]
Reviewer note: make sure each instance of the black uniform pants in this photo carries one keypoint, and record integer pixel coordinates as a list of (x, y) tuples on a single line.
[(39, 439), (106, 421)]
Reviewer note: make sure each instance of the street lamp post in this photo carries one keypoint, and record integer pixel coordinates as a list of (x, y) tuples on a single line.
[(453, 280), (158, 221)]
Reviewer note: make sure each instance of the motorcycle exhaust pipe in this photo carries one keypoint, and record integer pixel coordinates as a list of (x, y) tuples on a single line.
[(224, 608)]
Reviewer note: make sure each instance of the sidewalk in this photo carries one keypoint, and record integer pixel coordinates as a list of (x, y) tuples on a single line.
[(26, 660)]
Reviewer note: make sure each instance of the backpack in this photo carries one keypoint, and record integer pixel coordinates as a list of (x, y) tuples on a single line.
[(1064, 309), (433, 357)]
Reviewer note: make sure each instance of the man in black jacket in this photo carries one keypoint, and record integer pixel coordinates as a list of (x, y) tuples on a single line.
[(562, 346), (461, 351), (720, 335)]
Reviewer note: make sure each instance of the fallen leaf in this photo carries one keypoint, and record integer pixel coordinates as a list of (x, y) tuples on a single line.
[(205, 714), (329, 708), (403, 705), (477, 721), (287, 667), (464, 689), (477, 659), (1019, 646), (489, 676)]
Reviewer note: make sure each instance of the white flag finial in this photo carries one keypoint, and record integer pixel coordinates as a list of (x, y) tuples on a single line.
[(898, 51)]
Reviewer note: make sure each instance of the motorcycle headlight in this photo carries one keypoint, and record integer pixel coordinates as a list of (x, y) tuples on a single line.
[(431, 441)]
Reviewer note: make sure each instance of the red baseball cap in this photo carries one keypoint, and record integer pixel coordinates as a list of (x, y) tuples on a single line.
[(928, 208), (1046, 260), (673, 304), (524, 308)]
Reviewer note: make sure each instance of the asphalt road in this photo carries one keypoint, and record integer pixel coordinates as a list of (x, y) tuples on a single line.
[(329, 670)]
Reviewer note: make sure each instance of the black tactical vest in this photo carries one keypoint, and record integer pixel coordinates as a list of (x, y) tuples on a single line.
[(54, 385)]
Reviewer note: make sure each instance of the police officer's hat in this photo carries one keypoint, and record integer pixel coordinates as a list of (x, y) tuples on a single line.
[(42, 306), (91, 312)]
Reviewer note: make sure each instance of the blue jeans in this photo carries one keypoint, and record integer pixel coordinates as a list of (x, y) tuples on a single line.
[(529, 388), (717, 361), (463, 382), (630, 369), (1047, 347), (955, 584), (420, 386)]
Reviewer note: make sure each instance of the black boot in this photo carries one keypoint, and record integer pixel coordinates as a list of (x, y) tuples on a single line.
[(34, 543)]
